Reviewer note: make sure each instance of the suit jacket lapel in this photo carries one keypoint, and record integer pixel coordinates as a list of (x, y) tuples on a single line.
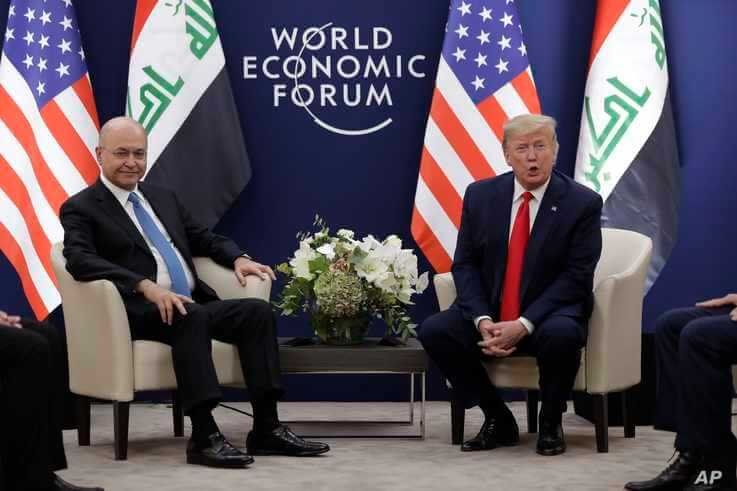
[(499, 226), (113, 208), (545, 220)]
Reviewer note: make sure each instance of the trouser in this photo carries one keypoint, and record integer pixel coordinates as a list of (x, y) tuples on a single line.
[(695, 351), (249, 324), (33, 382), (451, 342)]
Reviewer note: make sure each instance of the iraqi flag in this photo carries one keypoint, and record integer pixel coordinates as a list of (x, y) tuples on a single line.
[(627, 148), (178, 89)]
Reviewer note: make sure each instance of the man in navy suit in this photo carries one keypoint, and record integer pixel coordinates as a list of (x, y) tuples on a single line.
[(33, 383), (695, 349), (140, 238), (524, 264)]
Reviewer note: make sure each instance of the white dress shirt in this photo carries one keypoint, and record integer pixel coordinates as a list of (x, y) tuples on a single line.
[(537, 197), (163, 278)]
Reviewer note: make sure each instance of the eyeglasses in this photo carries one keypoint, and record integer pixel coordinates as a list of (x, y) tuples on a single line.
[(122, 153)]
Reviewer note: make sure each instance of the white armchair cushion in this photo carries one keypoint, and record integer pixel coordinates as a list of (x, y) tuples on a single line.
[(152, 366), (521, 372)]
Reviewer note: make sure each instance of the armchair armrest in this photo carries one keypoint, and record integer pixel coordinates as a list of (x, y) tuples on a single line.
[(98, 337), (445, 289), (613, 350), (226, 285)]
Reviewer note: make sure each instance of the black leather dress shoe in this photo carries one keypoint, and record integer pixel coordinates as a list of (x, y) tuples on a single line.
[(282, 441), (717, 471), (219, 453), (60, 484), (551, 440), (680, 473), (495, 432)]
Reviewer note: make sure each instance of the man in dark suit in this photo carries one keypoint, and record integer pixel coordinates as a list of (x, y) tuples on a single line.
[(139, 237), (695, 350), (524, 263), (32, 388)]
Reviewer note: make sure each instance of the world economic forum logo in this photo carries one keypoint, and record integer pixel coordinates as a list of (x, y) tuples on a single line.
[(329, 70)]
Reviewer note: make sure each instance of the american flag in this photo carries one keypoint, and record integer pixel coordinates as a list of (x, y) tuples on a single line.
[(48, 132), (483, 79)]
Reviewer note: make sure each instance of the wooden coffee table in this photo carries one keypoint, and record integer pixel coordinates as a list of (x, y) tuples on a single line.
[(366, 358)]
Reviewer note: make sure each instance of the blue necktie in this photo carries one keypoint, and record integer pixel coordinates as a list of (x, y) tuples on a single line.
[(176, 271)]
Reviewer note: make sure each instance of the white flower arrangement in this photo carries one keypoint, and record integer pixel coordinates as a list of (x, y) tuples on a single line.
[(337, 276)]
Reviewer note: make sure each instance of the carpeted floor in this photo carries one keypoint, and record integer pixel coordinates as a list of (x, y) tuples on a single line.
[(156, 458)]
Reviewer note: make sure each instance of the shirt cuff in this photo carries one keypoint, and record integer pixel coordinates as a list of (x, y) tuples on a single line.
[(478, 319), (528, 325), (246, 256)]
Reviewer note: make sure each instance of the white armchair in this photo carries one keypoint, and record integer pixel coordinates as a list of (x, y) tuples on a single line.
[(104, 363), (610, 362)]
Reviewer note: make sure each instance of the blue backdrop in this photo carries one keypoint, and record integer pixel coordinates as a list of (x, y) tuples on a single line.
[(367, 182)]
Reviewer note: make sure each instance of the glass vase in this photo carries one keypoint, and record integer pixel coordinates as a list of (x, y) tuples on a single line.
[(340, 331)]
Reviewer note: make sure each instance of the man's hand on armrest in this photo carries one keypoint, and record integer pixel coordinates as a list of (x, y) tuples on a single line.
[(244, 266), (165, 300)]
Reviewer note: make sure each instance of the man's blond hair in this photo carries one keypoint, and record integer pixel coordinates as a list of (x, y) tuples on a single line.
[(529, 123)]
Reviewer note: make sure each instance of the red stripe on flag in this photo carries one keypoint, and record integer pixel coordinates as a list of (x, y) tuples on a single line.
[(608, 13), (494, 115), (143, 10), (431, 247), (459, 138), (83, 89), (21, 129), (441, 188), (522, 83), (12, 251), (11, 184), (70, 141)]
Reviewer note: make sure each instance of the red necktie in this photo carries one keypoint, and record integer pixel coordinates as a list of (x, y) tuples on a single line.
[(515, 261)]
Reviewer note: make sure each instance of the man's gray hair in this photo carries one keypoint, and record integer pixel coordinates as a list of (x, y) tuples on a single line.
[(529, 123)]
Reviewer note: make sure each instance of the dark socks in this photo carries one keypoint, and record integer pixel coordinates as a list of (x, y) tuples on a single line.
[(265, 417), (203, 424), (494, 409)]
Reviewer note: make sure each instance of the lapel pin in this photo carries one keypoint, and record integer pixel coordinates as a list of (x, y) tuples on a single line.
[(554, 208)]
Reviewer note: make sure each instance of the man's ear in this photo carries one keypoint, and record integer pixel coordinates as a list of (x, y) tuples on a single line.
[(98, 154)]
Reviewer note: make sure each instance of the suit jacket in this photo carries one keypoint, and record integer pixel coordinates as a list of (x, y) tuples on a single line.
[(102, 242), (561, 255)]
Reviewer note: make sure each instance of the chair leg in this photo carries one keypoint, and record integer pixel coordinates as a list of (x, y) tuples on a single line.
[(533, 397), (177, 414), (628, 421), (83, 421), (120, 429), (457, 419), (601, 421)]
